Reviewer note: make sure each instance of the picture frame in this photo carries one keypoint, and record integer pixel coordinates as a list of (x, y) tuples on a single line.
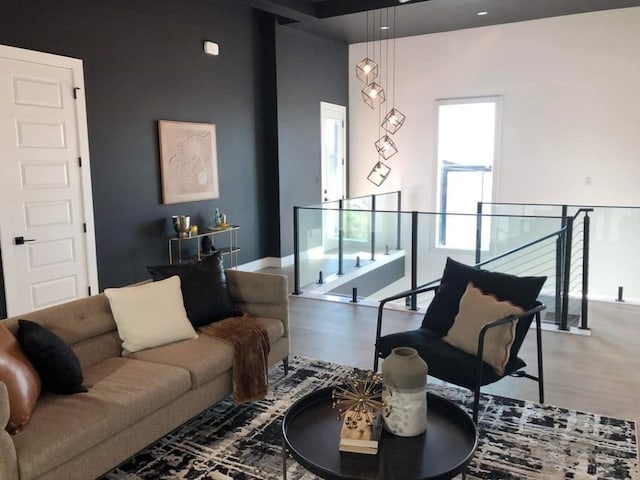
[(188, 161)]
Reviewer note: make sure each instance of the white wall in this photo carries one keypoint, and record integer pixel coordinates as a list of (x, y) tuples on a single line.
[(571, 116), (571, 108)]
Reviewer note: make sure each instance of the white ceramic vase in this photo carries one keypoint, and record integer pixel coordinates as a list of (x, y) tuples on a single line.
[(404, 377)]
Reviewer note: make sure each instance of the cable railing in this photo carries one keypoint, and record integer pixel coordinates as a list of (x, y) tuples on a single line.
[(569, 304)]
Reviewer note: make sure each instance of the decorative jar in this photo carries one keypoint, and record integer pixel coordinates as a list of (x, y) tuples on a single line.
[(404, 378)]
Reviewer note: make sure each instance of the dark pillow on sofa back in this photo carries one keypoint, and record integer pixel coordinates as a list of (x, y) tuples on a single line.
[(54, 360), (204, 289), (441, 313)]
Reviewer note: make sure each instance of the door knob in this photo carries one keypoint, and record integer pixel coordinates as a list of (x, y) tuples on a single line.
[(21, 240)]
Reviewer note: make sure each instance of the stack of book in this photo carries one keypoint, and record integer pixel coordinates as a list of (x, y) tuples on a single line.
[(361, 439)]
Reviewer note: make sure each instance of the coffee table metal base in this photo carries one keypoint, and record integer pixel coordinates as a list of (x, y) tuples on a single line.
[(310, 433)]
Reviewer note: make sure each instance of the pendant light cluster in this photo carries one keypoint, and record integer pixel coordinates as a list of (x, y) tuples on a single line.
[(373, 94)]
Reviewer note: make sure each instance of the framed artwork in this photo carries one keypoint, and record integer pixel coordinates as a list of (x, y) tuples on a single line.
[(188, 161)]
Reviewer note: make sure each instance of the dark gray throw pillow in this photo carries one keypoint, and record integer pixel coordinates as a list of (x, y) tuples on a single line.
[(204, 289), (441, 313), (54, 360)]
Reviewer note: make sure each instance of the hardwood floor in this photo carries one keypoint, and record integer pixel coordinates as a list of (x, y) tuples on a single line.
[(599, 373)]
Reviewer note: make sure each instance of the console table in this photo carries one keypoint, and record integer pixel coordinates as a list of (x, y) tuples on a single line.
[(181, 249)]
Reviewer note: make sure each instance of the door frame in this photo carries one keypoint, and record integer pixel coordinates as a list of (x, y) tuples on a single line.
[(77, 69), (342, 111)]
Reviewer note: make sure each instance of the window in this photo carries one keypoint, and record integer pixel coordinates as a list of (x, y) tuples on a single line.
[(467, 132)]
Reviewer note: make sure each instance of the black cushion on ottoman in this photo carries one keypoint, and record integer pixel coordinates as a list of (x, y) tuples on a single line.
[(55, 362), (441, 313), (204, 289)]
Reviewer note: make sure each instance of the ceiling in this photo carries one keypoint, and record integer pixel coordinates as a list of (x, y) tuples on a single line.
[(346, 20)]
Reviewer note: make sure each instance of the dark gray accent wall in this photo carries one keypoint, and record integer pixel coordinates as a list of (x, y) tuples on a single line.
[(310, 70), (144, 61)]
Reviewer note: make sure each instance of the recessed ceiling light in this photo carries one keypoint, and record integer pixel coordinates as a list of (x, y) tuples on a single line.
[(384, 27), (481, 13)]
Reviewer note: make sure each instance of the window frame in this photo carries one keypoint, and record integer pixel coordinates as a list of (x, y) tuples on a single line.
[(440, 189)]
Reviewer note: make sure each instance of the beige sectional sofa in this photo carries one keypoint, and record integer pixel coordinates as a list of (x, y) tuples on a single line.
[(133, 400)]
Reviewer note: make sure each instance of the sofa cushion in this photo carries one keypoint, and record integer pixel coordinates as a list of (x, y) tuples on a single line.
[(205, 357), (21, 379), (121, 391), (476, 310), (57, 365), (521, 291), (150, 315), (204, 289)]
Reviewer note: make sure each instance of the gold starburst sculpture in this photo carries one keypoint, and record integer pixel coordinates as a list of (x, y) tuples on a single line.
[(359, 399)]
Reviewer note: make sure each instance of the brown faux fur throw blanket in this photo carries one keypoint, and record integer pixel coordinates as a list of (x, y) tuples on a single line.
[(251, 348)]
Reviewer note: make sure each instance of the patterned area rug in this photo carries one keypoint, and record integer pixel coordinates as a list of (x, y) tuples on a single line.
[(518, 439)]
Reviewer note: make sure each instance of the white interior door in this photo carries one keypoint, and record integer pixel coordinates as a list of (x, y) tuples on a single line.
[(333, 152), (46, 220), (334, 176)]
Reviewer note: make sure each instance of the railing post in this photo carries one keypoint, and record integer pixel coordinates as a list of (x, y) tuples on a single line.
[(560, 249), (564, 321), (340, 238), (399, 219), (478, 232), (296, 251), (584, 319), (558, 297), (373, 227), (414, 259)]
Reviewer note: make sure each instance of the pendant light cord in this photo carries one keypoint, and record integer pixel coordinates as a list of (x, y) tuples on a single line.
[(393, 87)]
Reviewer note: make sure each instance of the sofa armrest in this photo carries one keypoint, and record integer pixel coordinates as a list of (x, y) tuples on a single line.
[(261, 294), (8, 458)]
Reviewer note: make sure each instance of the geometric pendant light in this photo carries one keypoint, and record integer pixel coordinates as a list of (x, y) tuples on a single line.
[(367, 70), (379, 173), (373, 95), (386, 148), (393, 121)]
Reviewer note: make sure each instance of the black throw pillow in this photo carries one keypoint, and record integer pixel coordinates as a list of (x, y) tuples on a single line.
[(441, 313), (54, 360), (204, 289)]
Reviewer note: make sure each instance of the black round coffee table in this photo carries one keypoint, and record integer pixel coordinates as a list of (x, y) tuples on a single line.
[(310, 432)]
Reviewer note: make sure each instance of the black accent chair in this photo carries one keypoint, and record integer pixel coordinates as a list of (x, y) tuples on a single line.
[(450, 363)]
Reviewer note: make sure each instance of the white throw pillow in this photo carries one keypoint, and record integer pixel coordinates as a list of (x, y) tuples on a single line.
[(476, 310), (150, 315)]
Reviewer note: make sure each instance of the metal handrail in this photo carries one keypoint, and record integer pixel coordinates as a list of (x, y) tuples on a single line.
[(563, 251), (522, 247)]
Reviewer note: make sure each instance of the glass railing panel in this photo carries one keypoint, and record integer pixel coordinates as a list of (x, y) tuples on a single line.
[(501, 234), (519, 209), (359, 203), (429, 257), (434, 247), (368, 266), (388, 201), (392, 254), (318, 243), (613, 259), (387, 233), (357, 225)]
